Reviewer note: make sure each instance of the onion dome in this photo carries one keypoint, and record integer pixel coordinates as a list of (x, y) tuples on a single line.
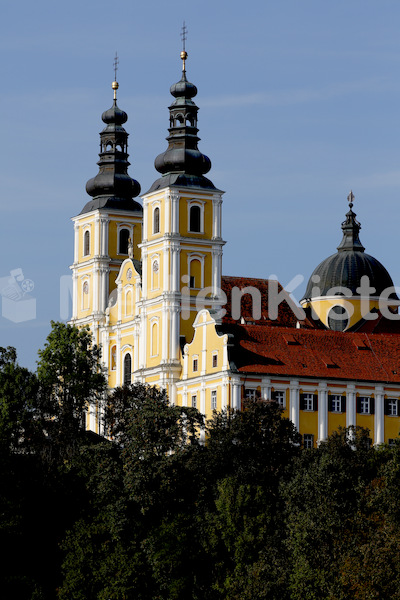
[(346, 268), (113, 187), (182, 163)]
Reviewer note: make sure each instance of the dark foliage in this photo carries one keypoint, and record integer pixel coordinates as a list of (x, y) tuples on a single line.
[(168, 507)]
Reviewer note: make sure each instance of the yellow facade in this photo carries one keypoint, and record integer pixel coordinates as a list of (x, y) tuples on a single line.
[(148, 283), (356, 308)]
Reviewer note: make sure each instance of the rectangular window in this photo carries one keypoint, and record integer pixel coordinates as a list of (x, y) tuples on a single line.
[(279, 397), (215, 360), (194, 401), (195, 364), (364, 405), (250, 394), (192, 282), (308, 402), (214, 400), (392, 407), (336, 403), (308, 440)]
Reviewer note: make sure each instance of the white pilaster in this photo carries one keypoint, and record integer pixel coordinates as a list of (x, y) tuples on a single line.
[(379, 433), (266, 389), (236, 395), (74, 295), (322, 412), (295, 403), (76, 242), (224, 395), (351, 416)]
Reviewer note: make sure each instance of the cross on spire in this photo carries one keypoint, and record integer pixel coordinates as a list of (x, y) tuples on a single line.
[(116, 63), (184, 36)]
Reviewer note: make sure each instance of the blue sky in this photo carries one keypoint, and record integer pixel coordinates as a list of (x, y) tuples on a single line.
[(299, 103)]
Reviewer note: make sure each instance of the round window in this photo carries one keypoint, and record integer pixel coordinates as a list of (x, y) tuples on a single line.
[(338, 318)]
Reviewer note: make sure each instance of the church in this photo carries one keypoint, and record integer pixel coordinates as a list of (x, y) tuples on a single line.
[(147, 280)]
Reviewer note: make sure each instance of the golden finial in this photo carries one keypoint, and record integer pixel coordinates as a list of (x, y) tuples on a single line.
[(114, 84), (184, 54)]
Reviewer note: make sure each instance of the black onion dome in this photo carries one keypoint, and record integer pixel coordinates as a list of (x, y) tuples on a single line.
[(182, 163), (183, 89), (114, 115), (346, 268), (113, 187)]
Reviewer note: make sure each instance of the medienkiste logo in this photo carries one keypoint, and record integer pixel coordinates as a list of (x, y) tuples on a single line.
[(18, 305)]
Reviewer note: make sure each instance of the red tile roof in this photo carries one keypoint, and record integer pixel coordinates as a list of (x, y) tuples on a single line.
[(286, 316), (277, 347), (316, 353)]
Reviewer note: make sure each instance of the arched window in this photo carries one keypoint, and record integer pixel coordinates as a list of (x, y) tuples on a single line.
[(338, 318), (127, 369), (156, 220), (195, 274), (86, 243), (113, 362), (123, 241), (154, 339), (155, 267), (85, 295), (195, 218), (128, 303)]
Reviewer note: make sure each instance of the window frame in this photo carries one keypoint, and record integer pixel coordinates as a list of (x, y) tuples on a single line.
[(392, 407), (250, 393), (282, 397), (365, 402), (213, 400), (308, 397), (124, 374), (336, 398), (128, 229), (344, 322), (86, 242), (308, 444), (156, 211), (200, 205)]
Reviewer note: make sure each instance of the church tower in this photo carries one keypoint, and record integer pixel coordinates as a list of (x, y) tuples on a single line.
[(108, 228), (181, 249)]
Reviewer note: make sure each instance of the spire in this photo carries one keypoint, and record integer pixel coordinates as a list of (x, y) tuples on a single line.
[(351, 228), (182, 163), (112, 187)]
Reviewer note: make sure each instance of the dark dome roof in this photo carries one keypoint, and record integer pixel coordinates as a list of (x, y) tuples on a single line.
[(346, 268)]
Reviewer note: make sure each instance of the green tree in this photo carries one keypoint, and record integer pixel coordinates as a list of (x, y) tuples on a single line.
[(250, 453), (71, 381), (139, 540), (322, 501), (18, 389), (370, 566)]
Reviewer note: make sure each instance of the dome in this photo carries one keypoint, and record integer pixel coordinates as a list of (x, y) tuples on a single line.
[(346, 268), (114, 115)]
